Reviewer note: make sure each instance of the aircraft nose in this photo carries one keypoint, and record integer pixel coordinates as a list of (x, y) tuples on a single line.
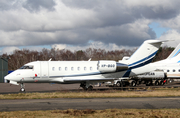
[(7, 77)]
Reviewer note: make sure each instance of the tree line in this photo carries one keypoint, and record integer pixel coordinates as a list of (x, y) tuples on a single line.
[(20, 57)]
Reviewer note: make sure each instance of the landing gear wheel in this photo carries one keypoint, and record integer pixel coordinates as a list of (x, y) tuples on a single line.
[(119, 84), (161, 82), (84, 88), (133, 83), (90, 88), (22, 88), (148, 83), (83, 85), (156, 83)]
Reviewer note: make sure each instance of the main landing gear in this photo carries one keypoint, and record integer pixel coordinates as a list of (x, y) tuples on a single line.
[(86, 86), (22, 88)]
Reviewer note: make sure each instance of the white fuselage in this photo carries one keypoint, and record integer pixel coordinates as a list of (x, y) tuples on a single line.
[(64, 71), (170, 66)]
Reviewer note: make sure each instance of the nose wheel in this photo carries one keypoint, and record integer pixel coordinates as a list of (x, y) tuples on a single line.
[(22, 88)]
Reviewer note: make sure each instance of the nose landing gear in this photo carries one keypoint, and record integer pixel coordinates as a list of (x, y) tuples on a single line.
[(22, 88)]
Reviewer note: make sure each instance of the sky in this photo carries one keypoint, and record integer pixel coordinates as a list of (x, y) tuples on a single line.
[(80, 24)]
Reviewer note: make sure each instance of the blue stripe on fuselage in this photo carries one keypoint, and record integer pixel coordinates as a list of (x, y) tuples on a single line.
[(137, 66), (176, 53), (146, 58), (149, 59)]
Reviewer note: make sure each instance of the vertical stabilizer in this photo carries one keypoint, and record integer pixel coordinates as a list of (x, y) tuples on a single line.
[(175, 52), (143, 55), (145, 52)]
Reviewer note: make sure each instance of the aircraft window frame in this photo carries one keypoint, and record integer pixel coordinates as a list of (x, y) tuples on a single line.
[(27, 67)]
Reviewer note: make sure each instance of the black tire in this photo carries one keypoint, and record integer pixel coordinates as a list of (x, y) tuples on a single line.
[(156, 83), (133, 83), (118, 84), (148, 83), (90, 88), (161, 83), (22, 90)]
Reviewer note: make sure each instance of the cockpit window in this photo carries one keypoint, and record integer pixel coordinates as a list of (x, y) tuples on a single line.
[(26, 67)]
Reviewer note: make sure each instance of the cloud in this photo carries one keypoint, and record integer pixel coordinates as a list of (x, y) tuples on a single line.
[(76, 22), (9, 50), (35, 5), (173, 36), (92, 44)]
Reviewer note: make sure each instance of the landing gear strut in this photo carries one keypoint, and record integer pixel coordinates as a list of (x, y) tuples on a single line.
[(22, 88)]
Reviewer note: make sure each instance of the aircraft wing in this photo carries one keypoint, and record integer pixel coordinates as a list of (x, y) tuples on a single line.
[(89, 79), (80, 79)]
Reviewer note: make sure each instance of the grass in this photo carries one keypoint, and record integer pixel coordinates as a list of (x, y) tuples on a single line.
[(162, 92), (89, 113)]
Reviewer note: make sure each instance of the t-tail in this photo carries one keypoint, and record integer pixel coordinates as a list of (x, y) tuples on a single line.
[(143, 56)]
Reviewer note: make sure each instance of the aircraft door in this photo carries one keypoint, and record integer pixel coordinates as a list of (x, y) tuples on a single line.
[(44, 71)]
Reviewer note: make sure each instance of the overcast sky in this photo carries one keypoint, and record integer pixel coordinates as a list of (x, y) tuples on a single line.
[(79, 24)]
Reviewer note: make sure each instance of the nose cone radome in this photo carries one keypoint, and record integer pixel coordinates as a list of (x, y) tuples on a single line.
[(7, 77)]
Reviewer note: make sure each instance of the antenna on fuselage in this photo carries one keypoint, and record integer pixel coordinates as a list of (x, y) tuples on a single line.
[(50, 59), (89, 59)]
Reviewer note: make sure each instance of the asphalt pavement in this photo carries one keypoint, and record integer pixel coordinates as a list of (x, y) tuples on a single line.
[(92, 103)]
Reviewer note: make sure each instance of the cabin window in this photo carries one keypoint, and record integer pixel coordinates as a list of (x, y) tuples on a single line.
[(72, 68), (59, 68), (84, 68), (66, 68), (179, 70), (167, 70), (174, 70), (53, 68), (78, 68), (27, 67), (90, 68)]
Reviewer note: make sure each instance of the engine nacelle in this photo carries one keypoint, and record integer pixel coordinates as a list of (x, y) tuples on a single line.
[(111, 66)]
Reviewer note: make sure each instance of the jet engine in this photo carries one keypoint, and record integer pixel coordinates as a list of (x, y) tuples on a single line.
[(111, 66)]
